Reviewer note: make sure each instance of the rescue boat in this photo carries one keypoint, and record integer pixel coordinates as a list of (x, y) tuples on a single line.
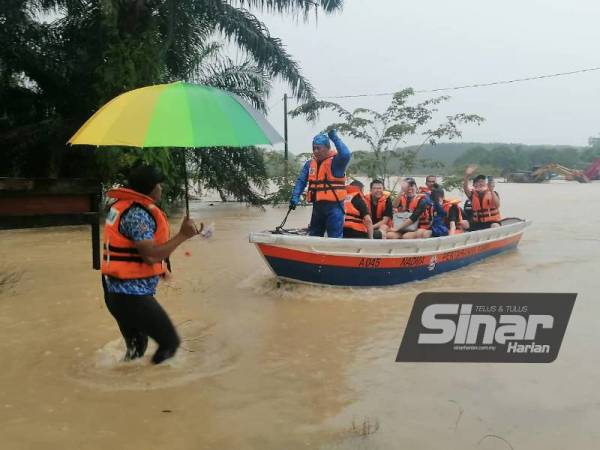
[(368, 263)]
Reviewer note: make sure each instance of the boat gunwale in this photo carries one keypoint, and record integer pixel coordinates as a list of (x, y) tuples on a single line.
[(446, 244)]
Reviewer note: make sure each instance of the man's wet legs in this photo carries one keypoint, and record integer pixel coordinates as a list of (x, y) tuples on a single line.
[(140, 317)]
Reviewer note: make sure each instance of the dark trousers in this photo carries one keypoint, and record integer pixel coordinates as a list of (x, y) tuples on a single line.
[(140, 317), (476, 226), (350, 233), (327, 216)]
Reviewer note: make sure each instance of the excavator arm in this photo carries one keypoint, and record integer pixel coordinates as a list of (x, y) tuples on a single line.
[(570, 174)]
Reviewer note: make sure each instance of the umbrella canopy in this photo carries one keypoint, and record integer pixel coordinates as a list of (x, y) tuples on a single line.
[(177, 115)]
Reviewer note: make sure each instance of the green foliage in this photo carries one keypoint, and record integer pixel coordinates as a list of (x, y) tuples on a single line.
[(384, 132), (283, 191), (222, 169), (364, 162), (276, 164), (112, 164), (283, 179), (61, 60), (451, 182), (589, 155), (496, 159)]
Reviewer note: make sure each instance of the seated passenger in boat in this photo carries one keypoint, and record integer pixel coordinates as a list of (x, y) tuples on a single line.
[(439, 214), (453, 217), (404, 184), (380, 208), (357, 221), (485, 202), (420, 207), (430, 180)]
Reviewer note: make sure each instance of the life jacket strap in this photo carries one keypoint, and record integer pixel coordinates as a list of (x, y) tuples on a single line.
[(123, 258)]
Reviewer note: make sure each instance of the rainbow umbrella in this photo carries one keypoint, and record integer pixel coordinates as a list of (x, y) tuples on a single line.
[(177, 115)]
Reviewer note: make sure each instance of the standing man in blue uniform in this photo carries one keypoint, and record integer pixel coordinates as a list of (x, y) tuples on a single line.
[(325, 174)]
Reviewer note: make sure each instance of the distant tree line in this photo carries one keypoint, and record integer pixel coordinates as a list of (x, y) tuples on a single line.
[(508, 158), (495, 159)]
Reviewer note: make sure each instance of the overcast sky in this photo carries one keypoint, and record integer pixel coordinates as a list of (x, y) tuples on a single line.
[(387, 45)]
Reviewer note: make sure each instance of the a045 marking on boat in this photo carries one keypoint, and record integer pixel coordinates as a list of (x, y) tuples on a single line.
[(369, 262)]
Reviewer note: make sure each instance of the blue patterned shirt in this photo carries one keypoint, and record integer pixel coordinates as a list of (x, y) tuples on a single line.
[(138, 225)]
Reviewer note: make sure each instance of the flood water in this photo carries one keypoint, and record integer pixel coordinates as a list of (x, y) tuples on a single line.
[(292, 367)]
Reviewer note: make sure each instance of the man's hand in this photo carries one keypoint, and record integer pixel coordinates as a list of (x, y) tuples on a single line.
[(293, 204), (470, 170), (332, 133), (188, 228), (153, 253)]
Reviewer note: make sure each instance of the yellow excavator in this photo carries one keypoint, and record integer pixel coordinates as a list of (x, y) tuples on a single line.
[(541, 174)]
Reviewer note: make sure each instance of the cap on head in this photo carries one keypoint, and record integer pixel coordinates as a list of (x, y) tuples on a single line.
[(143, 178), (321, 139)]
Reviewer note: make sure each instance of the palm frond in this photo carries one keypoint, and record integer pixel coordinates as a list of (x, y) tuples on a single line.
[(292, 6), (312, 108), (252, 35), (244, 79), (184, 34)]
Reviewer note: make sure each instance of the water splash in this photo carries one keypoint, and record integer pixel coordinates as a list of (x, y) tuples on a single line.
[(201, 355)]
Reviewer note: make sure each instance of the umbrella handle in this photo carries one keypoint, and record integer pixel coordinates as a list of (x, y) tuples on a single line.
[(187, 200)]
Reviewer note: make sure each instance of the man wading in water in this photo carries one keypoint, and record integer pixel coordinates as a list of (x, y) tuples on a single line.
[(136, 248)]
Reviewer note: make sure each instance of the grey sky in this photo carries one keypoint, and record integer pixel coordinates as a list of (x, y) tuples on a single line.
[(387, 45)]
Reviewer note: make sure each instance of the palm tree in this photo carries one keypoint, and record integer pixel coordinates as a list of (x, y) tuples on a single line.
[(61, 59)]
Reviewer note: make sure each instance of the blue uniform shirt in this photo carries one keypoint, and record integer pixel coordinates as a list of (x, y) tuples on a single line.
[(438, 227), (138, 225)]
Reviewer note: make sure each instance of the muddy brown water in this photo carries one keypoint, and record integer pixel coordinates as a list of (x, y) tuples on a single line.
[(292, 367)]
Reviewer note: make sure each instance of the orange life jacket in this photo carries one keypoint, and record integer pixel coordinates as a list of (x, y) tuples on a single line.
[(425, 217), (484, 208), (121, 259), (380, 207), (322, 185), (449, 204), (352, 217)]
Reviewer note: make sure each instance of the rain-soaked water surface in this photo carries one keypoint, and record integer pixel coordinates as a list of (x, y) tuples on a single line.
[(290, 367)]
